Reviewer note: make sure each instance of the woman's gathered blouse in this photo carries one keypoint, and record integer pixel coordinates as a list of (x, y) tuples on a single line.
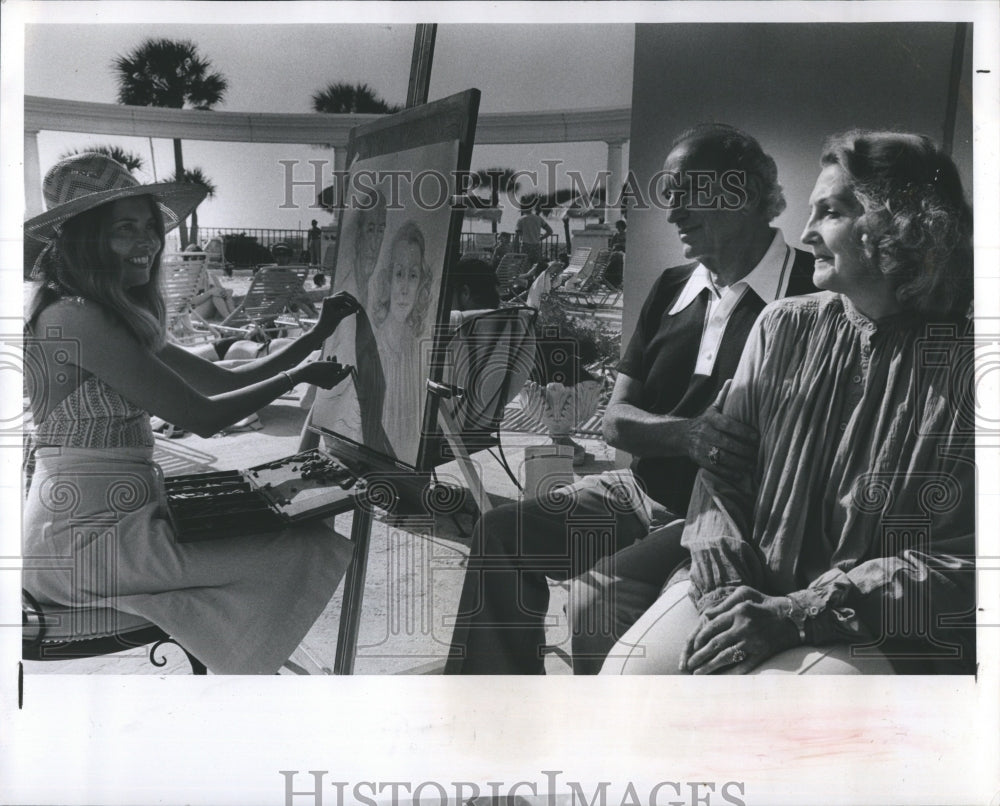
[(862, 502)]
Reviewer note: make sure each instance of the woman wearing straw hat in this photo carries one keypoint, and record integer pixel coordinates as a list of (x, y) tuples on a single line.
[(97, 365)]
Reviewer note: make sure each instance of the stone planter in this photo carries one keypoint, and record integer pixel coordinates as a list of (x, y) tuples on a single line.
[(559, 409)]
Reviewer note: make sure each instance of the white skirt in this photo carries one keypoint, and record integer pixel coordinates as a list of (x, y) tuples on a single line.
[(97, 533)]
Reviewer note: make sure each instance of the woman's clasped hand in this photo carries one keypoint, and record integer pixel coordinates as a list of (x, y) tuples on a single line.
[(741, 631)]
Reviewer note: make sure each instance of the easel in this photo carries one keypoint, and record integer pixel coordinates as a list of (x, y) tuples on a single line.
[(450, 119), (452, 433), (354, 589)]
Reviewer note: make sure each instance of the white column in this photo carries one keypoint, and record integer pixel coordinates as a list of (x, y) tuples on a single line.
[(339, 166), (339, 158), (32, 176), (612, 211)]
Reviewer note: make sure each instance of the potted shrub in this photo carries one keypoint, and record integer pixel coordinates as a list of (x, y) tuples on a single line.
[(573, 371)]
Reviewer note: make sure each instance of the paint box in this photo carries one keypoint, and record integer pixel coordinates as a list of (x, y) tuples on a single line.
[(266, 498)]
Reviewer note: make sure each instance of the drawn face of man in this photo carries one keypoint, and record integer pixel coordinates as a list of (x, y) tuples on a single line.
[(371, 229), (405, 268)]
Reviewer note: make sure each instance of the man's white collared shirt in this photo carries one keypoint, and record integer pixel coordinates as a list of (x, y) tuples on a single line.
[(768, 279)]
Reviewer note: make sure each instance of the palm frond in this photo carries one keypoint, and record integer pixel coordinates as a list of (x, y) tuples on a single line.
[(341, 98), (122, 156), (167, 73)]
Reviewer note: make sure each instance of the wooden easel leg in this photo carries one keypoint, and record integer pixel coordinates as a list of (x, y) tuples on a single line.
[(354, 591), (465, 463), (305, 661)]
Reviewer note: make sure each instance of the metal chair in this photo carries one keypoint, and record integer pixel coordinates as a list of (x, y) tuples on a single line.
[(58, 633), (486, 363)]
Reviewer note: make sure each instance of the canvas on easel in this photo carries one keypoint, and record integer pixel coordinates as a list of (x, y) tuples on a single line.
[(398, 231)]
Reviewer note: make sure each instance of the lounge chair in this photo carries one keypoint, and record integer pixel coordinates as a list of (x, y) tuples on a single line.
[(274, 291), (216, 251), (512, 265), (590, 289), (577, 261), (183, 276)]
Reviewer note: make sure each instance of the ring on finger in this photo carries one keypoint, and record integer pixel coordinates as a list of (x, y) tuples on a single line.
[(713, 454), (738, 655)]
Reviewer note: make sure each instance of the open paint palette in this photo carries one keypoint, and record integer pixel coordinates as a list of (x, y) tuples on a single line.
[(266, 498)]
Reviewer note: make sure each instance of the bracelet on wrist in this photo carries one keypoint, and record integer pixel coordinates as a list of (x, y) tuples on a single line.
[(291, 383), (797, 616)]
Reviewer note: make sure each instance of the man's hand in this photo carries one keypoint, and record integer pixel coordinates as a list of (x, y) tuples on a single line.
[(336, 308), (740, 633), (720, 444)]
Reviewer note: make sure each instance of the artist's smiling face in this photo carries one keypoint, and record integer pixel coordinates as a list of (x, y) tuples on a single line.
[(134, 238), (405, 268)]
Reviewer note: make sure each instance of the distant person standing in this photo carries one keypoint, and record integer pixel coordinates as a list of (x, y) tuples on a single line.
[(529, 230), (314, 241), (618, 239), (501, 249)]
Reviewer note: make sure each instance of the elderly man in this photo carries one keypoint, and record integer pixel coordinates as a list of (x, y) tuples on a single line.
[(722, 192)]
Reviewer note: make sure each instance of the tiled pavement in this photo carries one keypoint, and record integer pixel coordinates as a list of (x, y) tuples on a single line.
[(414, 574)]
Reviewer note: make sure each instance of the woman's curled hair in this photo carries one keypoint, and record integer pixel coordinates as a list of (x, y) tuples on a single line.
[(916, 227), (408, 233)]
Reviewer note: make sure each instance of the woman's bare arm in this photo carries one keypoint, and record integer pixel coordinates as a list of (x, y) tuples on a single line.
[(112, 353)]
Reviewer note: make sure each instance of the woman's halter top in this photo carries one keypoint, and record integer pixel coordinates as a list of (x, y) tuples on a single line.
[(94, 416)]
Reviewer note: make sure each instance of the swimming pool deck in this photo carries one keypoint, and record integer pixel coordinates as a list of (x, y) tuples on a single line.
[(414, 573)]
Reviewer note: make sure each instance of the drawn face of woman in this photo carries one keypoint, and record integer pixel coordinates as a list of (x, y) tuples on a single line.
[(405, 268), (133, 237)]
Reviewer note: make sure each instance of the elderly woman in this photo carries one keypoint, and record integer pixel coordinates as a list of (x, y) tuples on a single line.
[(849, 548)]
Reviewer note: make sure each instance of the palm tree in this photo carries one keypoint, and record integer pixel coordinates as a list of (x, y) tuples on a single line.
[(169, 73), (195, 176), (555, 198), (342, 98), (122, 156), (496, 179)]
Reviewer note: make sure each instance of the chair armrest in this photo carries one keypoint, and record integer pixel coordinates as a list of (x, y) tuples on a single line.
[(445, 391), (33, 625)]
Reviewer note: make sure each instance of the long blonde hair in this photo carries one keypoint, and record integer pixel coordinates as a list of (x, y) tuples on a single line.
[(78, 264)]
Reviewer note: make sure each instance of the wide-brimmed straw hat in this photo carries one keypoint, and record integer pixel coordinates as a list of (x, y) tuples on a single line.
[(84, 181)]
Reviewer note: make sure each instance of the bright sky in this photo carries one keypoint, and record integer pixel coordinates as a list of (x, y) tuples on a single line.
[(277, 68)]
